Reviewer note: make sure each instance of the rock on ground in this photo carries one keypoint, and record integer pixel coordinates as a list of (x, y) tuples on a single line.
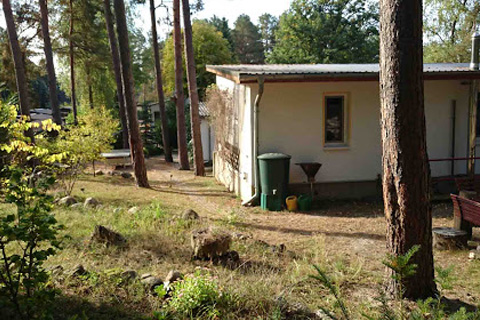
[(91, 202), (190, 214), (99, 173), (240, 236), (102, 234), (67, 201), (128, 275), (133, 210), (126, 175), (150, 281), (173, 276), (79, 270), (231, 259), (208, 243)]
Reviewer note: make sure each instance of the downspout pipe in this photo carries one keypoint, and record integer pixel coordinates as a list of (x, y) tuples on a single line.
[(256, 176), (472, 123)]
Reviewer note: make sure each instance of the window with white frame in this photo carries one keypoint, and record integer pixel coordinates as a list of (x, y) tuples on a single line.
[(335, 120)]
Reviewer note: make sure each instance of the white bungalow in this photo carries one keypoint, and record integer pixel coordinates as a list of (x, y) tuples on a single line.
[(330, 114)]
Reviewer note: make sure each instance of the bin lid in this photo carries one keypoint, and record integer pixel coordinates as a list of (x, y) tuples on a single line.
[(274, 156)]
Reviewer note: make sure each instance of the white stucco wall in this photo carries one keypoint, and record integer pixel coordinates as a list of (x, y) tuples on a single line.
[(291, 119), (240, 181), (208, 139)]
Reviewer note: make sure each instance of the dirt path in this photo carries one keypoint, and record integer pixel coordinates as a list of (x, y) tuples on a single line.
[(356, 228)]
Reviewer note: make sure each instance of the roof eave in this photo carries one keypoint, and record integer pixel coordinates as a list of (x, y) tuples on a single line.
[(246, 77), (230, 75)]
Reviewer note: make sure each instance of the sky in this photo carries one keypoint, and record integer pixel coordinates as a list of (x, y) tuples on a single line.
[(230, 9)]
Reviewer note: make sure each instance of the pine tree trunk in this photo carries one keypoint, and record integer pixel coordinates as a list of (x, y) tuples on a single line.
[(47, 47), (192, 87), (89, 86), (179, 97), (116, 70), (136, 144), (161, 98), (72, 64), (20, 75), (406, 175)]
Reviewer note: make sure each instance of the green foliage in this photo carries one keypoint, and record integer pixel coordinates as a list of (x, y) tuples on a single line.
[(209, 47), (82, 144), (28, 234), (197, 296), (247, 42), (221, 24), (431, 308), (444, 279), (448, 26), (325, 31), (322, 277), (401, 266), (93, 62), (268, 25)]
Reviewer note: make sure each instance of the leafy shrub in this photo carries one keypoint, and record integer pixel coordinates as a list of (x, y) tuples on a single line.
[(82, 144), (28, 234), (196, 296)]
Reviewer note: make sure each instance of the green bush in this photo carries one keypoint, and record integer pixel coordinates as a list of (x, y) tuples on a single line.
[(28, 232), (197, 296), (82, 144)]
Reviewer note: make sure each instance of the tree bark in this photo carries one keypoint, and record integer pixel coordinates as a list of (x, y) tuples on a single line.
[(72, 64), (136, 144), (193, 90), (406, 174), (89, 86), (20, 75), (179, 96), (47, 47), (116, 70), (161, 97)]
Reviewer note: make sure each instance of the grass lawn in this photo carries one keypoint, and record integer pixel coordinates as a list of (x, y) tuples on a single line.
[(344, 238)]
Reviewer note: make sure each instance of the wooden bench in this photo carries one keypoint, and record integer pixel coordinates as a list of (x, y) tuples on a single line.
[(466, 213)]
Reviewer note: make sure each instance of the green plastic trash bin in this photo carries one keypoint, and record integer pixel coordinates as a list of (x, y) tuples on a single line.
[(305, 202), (274, 175)]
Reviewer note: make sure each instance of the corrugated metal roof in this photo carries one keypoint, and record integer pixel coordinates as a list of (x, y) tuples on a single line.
[(243, 72)]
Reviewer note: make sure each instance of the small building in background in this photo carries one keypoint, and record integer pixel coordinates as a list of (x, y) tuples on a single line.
[(208, 136)]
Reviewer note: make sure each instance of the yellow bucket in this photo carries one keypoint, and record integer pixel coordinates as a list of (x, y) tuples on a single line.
[(292, 203)]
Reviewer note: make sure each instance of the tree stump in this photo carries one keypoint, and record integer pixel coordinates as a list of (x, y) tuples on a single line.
[(449, 239)]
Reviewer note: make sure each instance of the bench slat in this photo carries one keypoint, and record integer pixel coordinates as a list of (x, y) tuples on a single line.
[(467, 209)]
